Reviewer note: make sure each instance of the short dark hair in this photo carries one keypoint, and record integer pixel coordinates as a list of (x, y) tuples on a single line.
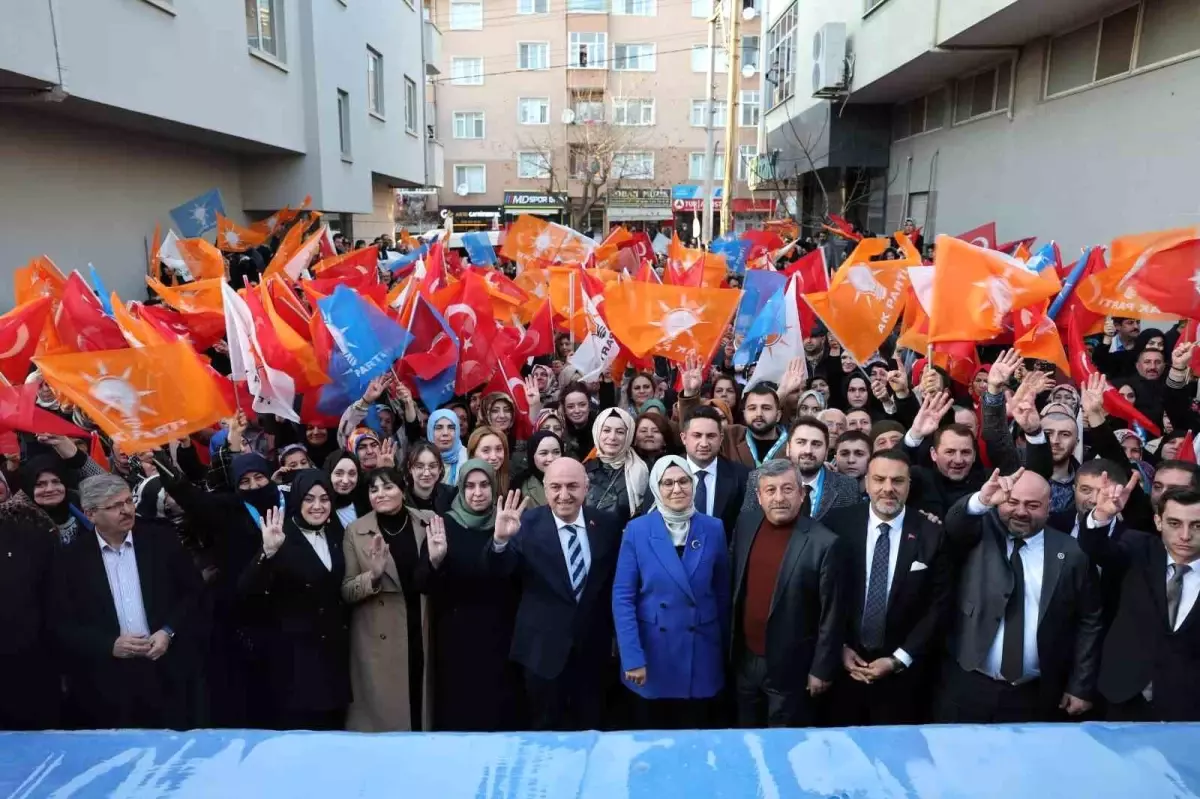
[(810, 421), (853, 435), (894, 454), (704, 412), (956, 428), (1098, 466), (763, 390), (1182, 494), (387, 474), (1181, 466)]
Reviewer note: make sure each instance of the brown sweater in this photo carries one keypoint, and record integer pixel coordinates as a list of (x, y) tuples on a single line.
[(762, 572)]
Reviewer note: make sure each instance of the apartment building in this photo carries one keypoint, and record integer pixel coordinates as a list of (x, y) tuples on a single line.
[(590, 111), (114, 111), (1074, 120)]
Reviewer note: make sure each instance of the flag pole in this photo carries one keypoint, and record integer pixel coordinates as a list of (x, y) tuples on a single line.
[(571, 307)]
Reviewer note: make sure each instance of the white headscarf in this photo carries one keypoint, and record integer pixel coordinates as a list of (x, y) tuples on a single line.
[(636, 473), (678, 521)]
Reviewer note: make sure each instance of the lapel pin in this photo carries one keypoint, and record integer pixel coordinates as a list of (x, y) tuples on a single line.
[(695, 543), (1062, 556)]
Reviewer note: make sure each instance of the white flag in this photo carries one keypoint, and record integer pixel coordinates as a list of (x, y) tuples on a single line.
[(168, 253), (779, 350), (597, 352), (273, 391)]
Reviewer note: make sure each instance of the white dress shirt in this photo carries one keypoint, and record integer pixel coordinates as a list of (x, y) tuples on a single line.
[(710, 482), (320, 545), (1033, 563), (564, 540), (895, 525), (125, 584)]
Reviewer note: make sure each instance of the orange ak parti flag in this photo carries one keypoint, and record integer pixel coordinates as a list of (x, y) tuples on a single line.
[(201, 295), (531, 239), (137, 331), (203, 259), (1036, 336), (672, 321), (1115, 292), (142, 398), (975, 290), (1166, 271), (232, 237), (39, 278)]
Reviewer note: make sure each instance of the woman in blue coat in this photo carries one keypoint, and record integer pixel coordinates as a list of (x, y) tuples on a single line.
[(671, 604)]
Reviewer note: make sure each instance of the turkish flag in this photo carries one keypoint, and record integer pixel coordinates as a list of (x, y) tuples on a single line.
[(20, 331), (1169, 277), (507, 380), (982, 236), (81, 321), (19, 411)]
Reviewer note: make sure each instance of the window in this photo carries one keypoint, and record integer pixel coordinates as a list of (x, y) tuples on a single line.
[(588, 106), (781, 58), (745, 153), (466, 15), (633, 166), (749, 106), (410, 105), (468, 124), (533, 6), (700, 59), (470, 178), (1170, 28), (533, 55), (343, 111), (696, 166), (629, 111), (700, 113), (633, 57), (750, 51), (532, 165), (533, 110), (587, 6), (633, 8), (466, 71), (374, 82), (587, 50), (920, 115), (974, 96), (264, 26), (702, 8)]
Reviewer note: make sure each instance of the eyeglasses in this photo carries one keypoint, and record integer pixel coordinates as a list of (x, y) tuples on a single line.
[(667, 485), (125, 503), (424, 468)]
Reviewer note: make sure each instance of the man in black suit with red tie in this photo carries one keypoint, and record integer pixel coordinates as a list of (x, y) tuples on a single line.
[(899, 584), (564, 556)]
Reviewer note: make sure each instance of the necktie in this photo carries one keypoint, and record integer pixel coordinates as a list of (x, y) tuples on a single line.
[(702, 491), (575, 566), (875, 608), (1175, 592), (1012, 653)]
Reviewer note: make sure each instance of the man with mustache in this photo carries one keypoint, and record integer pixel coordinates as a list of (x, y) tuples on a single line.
[(899, 578)]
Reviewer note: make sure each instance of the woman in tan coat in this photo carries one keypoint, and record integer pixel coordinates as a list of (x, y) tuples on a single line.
[(388, 627)]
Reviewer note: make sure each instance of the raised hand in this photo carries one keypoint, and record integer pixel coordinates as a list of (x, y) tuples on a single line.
[(376, 388), (879, 389), (404, 394), (508, 516), (377, 555), (930, 381), (1091, 399), (435, 538), (794, 378), (1181, 356), (1110, 328), (1025, 413), (933, 408), (1113, 497), (272, 531), (237, 430), (692, 375), (897, 379), (997, 489), (1002, 371), (387, 453)]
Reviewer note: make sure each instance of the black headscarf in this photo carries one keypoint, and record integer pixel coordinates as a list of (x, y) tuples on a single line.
[(304, 482), (263, 498), (359, 496), (38, 466)]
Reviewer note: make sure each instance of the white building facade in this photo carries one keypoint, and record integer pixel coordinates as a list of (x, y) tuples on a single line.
[(114, 111), (1067, 119)]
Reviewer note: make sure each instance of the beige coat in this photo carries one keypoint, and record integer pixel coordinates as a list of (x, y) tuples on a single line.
[(379, 635)]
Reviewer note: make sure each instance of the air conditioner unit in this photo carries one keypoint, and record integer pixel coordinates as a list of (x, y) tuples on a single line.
[(829, 59)]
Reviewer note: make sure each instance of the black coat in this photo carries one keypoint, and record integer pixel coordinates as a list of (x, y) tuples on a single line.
[(1140, 648), (104, 691), (730, 494), (807, 624), (550, 623)]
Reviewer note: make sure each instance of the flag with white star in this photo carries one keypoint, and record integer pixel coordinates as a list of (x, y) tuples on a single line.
[(199, 214)]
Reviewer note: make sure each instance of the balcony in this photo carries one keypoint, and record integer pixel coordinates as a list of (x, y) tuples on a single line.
[(433, 48), (435, 165)]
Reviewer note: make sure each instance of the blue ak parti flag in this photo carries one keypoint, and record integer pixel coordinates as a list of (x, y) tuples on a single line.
[(368, 340), (101, 290), (438, 391), (770, 321), (757, 288), (735, 250), (479, 248), (198, 214), (397, 265)]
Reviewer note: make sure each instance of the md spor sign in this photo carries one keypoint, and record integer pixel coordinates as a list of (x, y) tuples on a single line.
[(529, 199)]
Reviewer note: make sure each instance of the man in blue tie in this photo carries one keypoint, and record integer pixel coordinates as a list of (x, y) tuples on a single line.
[(564, 556)]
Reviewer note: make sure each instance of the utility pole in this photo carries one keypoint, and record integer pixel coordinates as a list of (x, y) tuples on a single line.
[(706, 230), (733, 74)]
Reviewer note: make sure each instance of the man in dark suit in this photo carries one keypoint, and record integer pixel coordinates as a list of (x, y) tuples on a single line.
[(788, 611), (1152, 651), (955, 471), (123, 601), (565, 556), (899, 584), (1025, 641), (720, 483), (824, 489)]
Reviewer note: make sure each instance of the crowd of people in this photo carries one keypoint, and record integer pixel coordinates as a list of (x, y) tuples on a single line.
[(868, 544)]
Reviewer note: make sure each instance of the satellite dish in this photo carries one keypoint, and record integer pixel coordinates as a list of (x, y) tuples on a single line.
[(568, 117), (749, 71), (462, 189)]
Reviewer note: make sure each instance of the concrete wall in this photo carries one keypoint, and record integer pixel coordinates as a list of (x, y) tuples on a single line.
[(1080, 169), (81, 195)]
